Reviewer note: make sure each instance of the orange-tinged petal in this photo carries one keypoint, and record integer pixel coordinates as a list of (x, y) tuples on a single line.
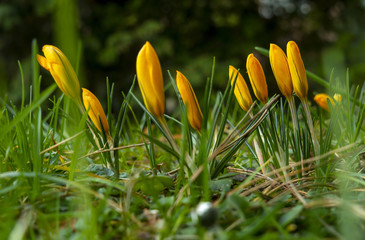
[(61, 70), (257, 78), (96, 112), (297, 70), (150, 81), (43, 62), (241, 91), (321, 100), (195, 115), (280, 68)]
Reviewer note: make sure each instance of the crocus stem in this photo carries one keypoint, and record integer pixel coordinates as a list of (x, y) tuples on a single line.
[(293, 113), (172, 142), (258, 151), (296, 128), (311, 128), (169, 134)]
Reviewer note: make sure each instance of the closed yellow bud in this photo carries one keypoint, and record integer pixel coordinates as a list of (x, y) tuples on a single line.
[(241, 91), (280, 68), (257, 78), (96, 112), (321, 100), (150, 81), (337, 97), (195, 115), (297, 70), (61, 70)]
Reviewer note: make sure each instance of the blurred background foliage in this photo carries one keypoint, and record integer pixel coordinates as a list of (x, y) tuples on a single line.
[(186, 35)]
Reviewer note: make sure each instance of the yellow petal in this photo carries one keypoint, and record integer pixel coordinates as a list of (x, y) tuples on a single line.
[(58, 75), (43, 62), (280, 68), (257, 78), (96, 112), (195, 115), (321, 100), (297, 70), (337, 97), (241, 91), (150, 81)]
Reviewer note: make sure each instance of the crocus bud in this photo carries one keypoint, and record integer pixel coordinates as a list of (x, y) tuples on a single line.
[(321, 100), (195, 115), (297, 70), (241, 91), (337, 97), (280, 68), (96, 112), (150, 81), (61, 70), (257, 78)]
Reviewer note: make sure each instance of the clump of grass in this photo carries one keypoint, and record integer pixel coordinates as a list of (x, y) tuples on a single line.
[(64, 175)]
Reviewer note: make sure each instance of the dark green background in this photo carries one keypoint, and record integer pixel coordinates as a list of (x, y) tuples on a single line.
[(186, 35)]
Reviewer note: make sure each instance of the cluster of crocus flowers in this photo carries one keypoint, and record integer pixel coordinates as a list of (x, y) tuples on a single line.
[(150, 81), (300, 85), (62, 72), (257, 78), (290, 75), (241, 91), (195, 115), (289, 72), (322, 100)]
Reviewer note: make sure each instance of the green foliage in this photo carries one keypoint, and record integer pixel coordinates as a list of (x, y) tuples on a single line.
[(57, 181), (256, 174)]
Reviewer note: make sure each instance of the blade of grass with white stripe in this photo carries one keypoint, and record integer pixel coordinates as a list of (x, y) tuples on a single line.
[(232, 147)]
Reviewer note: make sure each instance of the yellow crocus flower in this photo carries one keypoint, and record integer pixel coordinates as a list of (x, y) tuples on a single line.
[(257, 78), (96, 112), (241, 91), (321, 100), (195, 115), (150, 81), (61, 70), (280, 68), (297, 70)]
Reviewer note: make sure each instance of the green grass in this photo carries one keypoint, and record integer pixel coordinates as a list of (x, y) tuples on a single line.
[(58, 182)]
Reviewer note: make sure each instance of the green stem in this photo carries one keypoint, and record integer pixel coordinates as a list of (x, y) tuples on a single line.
[(296, 129), (311, 128), (173, 144), (151, 149), (258, 150), (170, 137), (293, 113)]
